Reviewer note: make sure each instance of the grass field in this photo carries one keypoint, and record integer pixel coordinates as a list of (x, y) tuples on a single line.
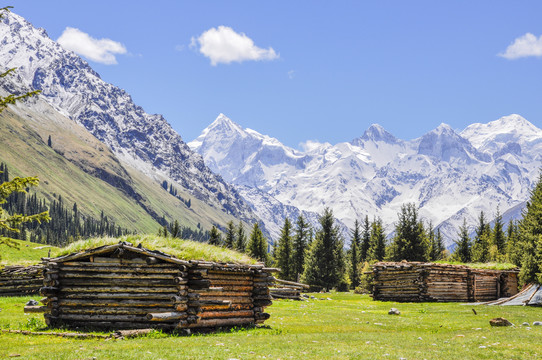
[(348, 326)]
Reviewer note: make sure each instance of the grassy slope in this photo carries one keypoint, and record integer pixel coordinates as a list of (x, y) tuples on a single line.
[(26, 253), (347, 327), (67, 170)]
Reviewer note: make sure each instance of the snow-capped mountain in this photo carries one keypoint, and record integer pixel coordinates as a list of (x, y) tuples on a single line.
[(144, 141), (450, 175)]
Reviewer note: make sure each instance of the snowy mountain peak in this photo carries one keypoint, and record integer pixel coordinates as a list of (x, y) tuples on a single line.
[(144, 141), (444, 143), (375, 133), (497, 134)]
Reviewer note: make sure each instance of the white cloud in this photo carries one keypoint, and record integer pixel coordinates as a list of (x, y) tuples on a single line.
[(98, 50), (291, 74), (224, 45), (524, 46)]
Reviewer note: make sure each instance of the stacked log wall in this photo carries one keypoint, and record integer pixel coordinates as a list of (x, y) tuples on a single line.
[(115, 293), (21, 280), (130, 291), (417, 282)]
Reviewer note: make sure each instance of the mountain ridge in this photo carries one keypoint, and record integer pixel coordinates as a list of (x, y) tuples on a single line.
[(442, 172)]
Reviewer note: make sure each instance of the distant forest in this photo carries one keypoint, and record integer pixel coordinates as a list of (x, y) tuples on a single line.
[(67, 223)]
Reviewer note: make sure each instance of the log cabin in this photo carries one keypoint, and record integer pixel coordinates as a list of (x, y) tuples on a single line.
[(430, 282), (122, 286)]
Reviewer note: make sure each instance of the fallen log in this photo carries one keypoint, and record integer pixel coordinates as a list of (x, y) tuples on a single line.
[(167, 316)]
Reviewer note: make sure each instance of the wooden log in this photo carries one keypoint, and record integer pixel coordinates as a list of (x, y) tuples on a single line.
[(209, 302), (115, 275), (119, 303), (221, 322), (224, 294), (126, 269), (126, 296), (116, 289), (117, 282), (167, 316), (285, 282), (35, 309), (227, 314), (262, 316), (227, 307), (233, 299), (208, 290), (201, 272), (262, 303), (231, 282), (114, 318), (236, 277), (151, 260), (111, 310), (116, 325)]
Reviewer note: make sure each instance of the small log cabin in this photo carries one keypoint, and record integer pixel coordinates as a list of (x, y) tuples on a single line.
[(18, 280), (419, 282), (121, 286)]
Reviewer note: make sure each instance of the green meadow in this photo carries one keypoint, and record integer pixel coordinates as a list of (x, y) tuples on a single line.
[(348, 326)]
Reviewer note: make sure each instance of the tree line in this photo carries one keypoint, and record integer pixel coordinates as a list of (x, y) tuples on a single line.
[(65, 224), (318, 257)]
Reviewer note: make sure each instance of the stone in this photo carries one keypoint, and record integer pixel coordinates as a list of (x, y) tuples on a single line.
[(394, 311), (537, 323), (32, 302), (525, 324), (500, 322)]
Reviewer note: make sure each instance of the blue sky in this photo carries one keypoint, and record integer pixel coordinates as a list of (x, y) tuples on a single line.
[(311, 70)]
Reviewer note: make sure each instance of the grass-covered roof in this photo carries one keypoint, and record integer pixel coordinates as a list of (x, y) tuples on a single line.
[(181, 249)]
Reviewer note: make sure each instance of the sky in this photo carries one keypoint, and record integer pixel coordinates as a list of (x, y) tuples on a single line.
[(310, 70)]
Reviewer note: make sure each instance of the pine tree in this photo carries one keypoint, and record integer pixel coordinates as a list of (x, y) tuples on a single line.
[(377, 252), (229, 240), (480, 245), (366, 240), (300, 241), (498, 239), (410, 240), (283, 252), (432, 239), (241, 239), (530, 234), (175, 229), (49, 141), (513, 248), (440, 245), (463, 249), (257, 245), (214, 237), (324, 264), (355, 245)]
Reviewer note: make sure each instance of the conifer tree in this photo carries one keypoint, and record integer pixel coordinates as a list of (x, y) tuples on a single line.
[(463, 249), (229, 240), (175, 229), (366, 240), (49, 141), (355, 245), (440, 245), (283, 252), (241, 239), (299, 247), (513, 248), (214, 237), (480, 245), (324, 264), (410, 240), (530, 231), (498, 238), (377, 252), (257, 245)]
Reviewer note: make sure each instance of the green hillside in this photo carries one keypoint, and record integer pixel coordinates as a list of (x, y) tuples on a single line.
[(83, 170)]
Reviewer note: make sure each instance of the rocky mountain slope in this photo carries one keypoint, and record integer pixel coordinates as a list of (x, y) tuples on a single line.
[(449, 175), (141, 143)]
